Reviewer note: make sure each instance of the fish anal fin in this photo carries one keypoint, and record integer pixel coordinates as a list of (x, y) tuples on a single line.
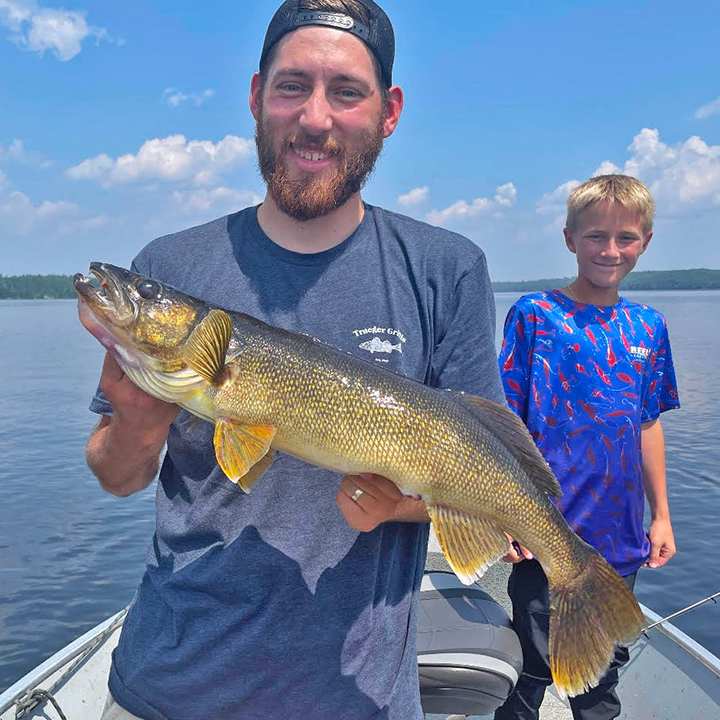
[(207, 346), (470, 544), (239, 448), (511, 431)]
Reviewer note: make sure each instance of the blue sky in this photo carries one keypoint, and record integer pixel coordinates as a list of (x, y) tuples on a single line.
[(120, 122)]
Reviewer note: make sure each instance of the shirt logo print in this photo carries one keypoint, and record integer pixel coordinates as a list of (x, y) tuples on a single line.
[(379, 345)]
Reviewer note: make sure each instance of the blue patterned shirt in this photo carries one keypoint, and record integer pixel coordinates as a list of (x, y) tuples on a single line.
[(583, 378)]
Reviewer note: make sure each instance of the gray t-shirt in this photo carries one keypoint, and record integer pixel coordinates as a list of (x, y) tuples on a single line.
[(269, 604)]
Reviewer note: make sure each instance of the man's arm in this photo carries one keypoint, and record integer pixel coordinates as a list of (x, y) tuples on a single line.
[(124, 449), (654, 481)]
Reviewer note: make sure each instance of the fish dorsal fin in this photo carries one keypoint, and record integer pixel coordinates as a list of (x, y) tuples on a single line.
[(511, 431), (470, 544), (207, 346), (240, 449)]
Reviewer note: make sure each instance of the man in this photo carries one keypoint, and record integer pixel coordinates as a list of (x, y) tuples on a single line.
[(298, 600)]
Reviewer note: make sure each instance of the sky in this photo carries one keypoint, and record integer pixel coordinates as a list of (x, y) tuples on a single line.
[(120, 122)]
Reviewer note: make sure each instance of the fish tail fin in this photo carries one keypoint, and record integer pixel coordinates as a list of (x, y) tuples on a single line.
[(588, 617)]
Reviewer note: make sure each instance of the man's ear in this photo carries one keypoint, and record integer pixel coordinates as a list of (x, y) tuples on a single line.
[(569, 240), (255, 93), (393, 109)]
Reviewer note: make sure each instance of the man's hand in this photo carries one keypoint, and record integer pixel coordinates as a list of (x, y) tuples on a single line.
[(124, 450), (132, 404), (662, 543), (513, 556), (376, 504)]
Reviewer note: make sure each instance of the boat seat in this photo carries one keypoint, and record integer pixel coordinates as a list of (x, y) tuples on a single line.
[(469, 656)]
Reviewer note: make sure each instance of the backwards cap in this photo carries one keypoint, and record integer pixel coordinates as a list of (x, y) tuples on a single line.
[(378, 34)]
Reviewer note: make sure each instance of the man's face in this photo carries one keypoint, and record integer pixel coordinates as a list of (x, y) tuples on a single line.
[(320, 121), (608, 241)]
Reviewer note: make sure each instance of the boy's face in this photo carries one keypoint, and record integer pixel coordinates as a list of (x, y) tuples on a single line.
[(608, 241)]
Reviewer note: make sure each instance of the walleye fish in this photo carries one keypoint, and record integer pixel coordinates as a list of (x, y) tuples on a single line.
[(377, 345), (471, 460)]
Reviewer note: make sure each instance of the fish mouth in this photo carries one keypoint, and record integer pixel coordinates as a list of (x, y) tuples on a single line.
[(109, 299)]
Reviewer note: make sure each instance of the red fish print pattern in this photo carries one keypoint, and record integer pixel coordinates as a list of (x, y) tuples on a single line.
[(593, 375)]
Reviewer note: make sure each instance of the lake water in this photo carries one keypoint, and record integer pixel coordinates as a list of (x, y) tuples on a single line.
[(71, 555)]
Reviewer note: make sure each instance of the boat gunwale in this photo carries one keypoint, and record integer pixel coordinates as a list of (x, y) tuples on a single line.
[(61, 658), (694, 648)]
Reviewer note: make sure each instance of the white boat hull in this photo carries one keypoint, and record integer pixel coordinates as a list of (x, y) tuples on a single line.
[(669, 677)]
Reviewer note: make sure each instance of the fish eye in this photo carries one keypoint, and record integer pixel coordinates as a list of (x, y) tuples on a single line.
[(147, 289)]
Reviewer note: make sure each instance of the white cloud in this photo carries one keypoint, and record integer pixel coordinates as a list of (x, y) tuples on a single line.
[(3, 180), (174, 98), (681, 177), (13, 13), (504, 198), (22, 218), (17, 152), (415, 196), (221, 200), (606, 168), (173, 158), (16, 149), (553, 202), (684, 174), (40, 29), (712, 108)]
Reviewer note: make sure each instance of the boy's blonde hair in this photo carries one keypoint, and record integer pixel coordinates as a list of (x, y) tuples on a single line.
[(621, 189)]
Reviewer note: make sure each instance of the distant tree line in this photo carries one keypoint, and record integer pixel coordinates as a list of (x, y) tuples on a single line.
[(20, 287), (17, 287), (698, 279)]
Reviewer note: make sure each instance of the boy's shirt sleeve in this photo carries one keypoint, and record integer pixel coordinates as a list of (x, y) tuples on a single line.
[(660, 387), (514, 360)]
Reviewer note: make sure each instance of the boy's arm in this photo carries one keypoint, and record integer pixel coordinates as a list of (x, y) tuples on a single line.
[(661, 536)]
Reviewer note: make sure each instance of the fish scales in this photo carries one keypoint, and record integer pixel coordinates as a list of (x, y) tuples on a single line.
[(472, 461), (330, 408)]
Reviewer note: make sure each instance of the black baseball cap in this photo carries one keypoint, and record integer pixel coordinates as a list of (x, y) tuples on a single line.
[(378, 34)]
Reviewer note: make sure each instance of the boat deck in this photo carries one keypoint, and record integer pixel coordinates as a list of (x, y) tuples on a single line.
[(494, 583), (669, 676)]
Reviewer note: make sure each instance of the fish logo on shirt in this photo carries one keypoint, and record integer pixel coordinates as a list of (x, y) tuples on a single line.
[(376, 345)]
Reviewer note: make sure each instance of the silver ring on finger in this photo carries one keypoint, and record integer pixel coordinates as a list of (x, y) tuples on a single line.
[(356, 494)]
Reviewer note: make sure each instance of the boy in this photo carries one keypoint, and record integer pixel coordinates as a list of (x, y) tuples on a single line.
[(590, 372)]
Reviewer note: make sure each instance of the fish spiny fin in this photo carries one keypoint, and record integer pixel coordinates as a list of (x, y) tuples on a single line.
[(238, 448), (511, 431), (207, 346), (470, 544)]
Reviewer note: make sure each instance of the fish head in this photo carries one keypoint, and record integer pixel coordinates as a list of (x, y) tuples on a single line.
[(139, 320)]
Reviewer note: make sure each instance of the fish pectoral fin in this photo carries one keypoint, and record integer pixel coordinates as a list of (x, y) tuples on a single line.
[(470, 544), (207, 346), (240, 449), (513, 433)]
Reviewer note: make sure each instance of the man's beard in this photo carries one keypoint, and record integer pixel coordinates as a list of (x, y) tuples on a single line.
[(313, 195)]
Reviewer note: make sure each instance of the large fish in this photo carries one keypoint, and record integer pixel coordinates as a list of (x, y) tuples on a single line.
[(471, 460)]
